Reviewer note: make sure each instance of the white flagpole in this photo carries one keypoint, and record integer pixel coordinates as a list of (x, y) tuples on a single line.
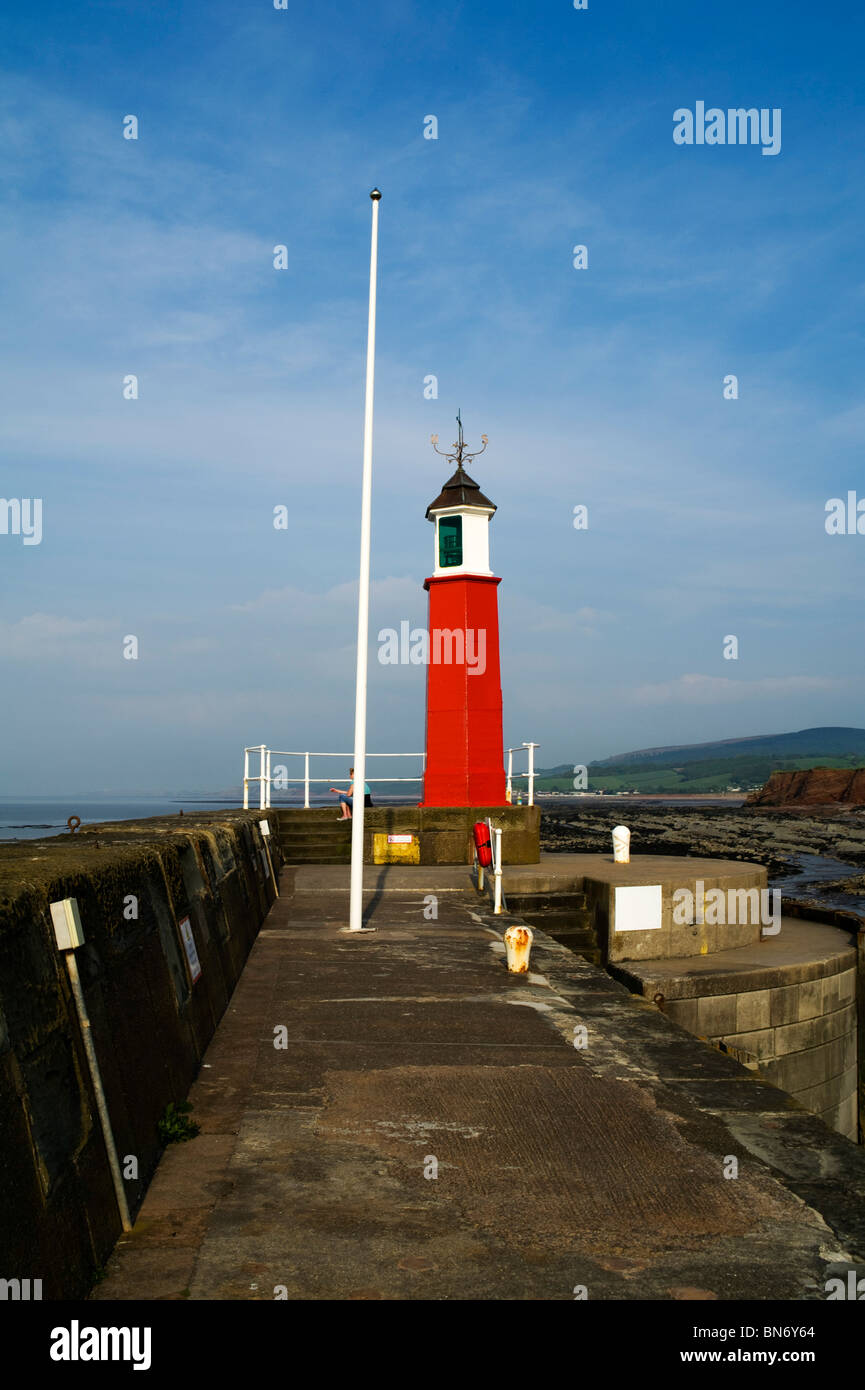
[(356, 899)]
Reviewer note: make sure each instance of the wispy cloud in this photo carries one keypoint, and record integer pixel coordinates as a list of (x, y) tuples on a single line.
[(602, 387), (696, 689)]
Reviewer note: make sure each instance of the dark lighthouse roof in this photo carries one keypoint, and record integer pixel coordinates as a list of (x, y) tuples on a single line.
[(460, 491)]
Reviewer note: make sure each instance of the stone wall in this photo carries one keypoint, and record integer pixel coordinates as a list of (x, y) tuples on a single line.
[(802, 1036), (444, 833), (787, 1006), (134, 882)]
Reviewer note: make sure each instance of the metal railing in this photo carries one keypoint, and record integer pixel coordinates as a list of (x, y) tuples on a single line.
[(529, 775), (266, 779)]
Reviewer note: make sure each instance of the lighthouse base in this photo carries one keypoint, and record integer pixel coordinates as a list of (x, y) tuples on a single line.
[(436, 834)]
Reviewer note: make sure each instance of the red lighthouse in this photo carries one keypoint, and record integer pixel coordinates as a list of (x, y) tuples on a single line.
[(464, 761)]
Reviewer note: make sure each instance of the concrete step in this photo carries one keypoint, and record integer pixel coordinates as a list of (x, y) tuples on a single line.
[(311, 846), (320, 843), (326, 833), (546, 902), (575, 939), (317, 859), (552, 919), (555, 923), (593, 957), (572, 926)]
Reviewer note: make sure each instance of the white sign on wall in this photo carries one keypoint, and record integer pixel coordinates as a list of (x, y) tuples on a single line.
[(191, 953), (638, 909)]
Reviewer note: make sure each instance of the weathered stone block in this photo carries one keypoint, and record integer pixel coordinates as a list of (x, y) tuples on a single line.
[(839, 990), (716, 1017), (810, 998), (844, 1117), (796, 1037), (797, 1071), (445, 847), (832, 1091), (753, 1010), (784, 1005), (684, 1012), (760, 1043)]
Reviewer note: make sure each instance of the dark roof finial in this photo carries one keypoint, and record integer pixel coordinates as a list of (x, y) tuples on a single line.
[(460, 489)]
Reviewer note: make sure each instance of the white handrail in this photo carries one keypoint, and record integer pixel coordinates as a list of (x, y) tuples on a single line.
[(265, 775), (262, 778), (528, 748), (294, 753), (265, 779)]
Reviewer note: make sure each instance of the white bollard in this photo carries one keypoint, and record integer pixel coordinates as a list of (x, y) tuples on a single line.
[(622, 844), (518, 944)]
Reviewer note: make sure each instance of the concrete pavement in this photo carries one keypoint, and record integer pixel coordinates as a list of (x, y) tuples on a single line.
[(428, 1130)]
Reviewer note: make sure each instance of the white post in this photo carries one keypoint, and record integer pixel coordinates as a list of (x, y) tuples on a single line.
[(306, 781), (497, 905), (246, 779), (268, 779), (357, 809), (261, 783), (510, 791), (69, 934), (531, 747), (264, 827)]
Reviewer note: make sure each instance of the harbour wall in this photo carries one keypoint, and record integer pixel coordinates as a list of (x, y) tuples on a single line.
[(794, 1020), (788, 1004), (406, 834), (153, 1010), (791, 1009)]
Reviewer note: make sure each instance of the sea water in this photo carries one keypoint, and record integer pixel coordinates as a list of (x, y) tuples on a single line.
[(31, 819)]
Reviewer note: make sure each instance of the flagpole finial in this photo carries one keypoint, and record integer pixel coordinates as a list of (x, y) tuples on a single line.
[(375, 195)]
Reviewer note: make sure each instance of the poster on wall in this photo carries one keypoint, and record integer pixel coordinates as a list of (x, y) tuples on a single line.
[(639, 908), (191, 953)]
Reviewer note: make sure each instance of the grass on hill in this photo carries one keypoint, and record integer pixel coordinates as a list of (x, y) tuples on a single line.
[(705, 775)]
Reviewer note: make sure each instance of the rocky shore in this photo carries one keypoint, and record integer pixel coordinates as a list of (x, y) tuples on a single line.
[(778, 839)]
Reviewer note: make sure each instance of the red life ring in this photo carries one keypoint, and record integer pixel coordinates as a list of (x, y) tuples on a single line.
[(481, 833)]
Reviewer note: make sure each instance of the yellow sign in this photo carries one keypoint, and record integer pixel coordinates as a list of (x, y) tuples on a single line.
[(395, 849)]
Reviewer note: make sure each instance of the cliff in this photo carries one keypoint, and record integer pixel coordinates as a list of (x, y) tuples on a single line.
[(814, 786)]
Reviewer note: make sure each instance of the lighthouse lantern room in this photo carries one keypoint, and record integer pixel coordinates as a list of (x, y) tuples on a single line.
[(464, 760)]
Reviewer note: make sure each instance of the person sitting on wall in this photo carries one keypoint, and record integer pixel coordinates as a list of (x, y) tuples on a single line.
[(347, 798)]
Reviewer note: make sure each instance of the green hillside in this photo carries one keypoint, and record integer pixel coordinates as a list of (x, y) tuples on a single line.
[(820, 745), (717, 767)]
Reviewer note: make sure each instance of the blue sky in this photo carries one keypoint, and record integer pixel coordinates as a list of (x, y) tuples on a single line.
[(601, 386)]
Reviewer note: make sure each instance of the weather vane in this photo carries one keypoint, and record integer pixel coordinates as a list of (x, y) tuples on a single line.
[(459, 446)]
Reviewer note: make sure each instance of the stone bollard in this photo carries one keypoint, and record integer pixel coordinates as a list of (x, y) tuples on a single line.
[(518, 944), (622, 844)]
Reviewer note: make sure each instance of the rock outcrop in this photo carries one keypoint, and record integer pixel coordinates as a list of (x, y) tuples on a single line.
[(813, 786)]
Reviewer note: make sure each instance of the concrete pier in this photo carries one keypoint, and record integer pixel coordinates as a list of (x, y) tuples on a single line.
[(396, 1117)]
